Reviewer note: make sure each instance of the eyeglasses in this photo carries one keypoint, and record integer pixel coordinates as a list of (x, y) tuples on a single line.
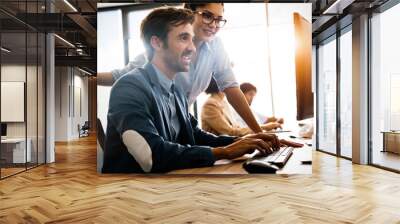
[(209, 18)]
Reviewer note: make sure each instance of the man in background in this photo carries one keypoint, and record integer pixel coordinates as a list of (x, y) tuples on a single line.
[(216, 115), (250, 91)]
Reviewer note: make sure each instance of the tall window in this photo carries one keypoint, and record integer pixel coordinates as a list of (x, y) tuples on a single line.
[(245, 40), (110, 56), (327, 96), (346, 93), (385, 103), (264, 55), (135, 43)]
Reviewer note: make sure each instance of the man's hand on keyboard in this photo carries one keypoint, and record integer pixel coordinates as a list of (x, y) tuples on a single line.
[(290, 143), (269, 138), (240, 147)]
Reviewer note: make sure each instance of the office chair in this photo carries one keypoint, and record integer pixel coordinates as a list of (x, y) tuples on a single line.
[(100, 133), (84, 130), (100, 145)]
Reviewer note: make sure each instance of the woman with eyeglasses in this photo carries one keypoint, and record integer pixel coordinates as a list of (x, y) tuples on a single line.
[(211, 60)]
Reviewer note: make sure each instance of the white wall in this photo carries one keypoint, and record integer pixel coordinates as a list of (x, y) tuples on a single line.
[(16, 73), (71, 94), (61, 106), (80, 102), (33, 126)]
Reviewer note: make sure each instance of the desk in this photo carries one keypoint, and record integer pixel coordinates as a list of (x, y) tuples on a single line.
[(391, 141), (13, 150), (293, 166)]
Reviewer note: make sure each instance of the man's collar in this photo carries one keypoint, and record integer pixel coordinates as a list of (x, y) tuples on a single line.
[(163, 80), (153, 76), (151, 73)]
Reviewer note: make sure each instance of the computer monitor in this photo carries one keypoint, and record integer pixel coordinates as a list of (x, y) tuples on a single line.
[(3, 129), (304, 95)]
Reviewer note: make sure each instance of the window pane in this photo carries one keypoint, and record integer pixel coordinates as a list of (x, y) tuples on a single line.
[(346, 94), (110, 54), (267, 60), (135, 43), (386, 88), (32, 98), (327, 96), (41, 98), (13, 85), (249, 61)]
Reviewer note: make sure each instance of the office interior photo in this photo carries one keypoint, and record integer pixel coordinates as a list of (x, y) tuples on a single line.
[(54, 116), (267, 62), (46, 81)]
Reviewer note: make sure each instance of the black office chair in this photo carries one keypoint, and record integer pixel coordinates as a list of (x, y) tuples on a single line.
[(100, 144), (84, 129), (100, 133)]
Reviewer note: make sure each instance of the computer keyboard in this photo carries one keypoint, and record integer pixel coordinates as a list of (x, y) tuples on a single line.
[(278, 158)]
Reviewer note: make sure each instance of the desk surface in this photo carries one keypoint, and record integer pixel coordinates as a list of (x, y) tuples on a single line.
[(293, 166), (13, 140)]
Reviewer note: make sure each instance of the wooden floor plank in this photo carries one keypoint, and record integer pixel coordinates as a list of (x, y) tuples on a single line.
[(70, 191)]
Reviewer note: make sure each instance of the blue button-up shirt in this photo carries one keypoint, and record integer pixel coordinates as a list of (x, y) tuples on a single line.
[(212, 61), (167, 86)]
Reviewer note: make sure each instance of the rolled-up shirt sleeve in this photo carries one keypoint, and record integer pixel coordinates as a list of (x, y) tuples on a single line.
[(223, 73), (139, 61)]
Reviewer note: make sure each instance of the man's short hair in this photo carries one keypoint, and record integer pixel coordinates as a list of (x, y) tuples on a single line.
[(246, 87), (194, 6), (159, 22)]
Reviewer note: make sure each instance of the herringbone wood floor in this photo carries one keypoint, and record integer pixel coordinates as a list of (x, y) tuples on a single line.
[(70, 191)]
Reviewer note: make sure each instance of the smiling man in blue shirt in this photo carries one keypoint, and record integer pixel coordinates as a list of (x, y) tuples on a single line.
[(211, 60), (149, 128)]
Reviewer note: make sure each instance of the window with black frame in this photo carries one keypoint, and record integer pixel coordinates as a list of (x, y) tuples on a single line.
[(327, 95), (385, 88), (22, 79), (345, 83), (335, 94), (14, 153)]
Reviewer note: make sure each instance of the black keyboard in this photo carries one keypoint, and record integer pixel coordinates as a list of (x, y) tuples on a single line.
[(278, 158)]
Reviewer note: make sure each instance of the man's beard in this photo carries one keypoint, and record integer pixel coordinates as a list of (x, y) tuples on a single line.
[(176, 64)]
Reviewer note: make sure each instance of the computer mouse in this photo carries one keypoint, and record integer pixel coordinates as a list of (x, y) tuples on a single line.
[(259, 166)]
